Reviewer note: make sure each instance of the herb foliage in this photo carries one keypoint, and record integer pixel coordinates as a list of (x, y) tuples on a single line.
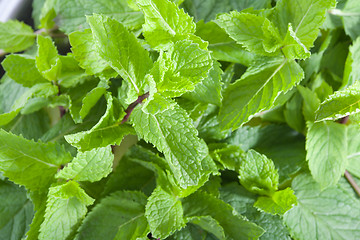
[(183, 119)]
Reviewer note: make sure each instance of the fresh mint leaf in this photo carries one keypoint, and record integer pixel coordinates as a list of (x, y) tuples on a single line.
[(305, 17), (47, 14), (39, 201), (71, 74), (209, 89), (256, 33), (336, 217), (29, 163), (340, 104), (75, 20), (159, 122), (311, 103), (352, 64), (164, 213), (257, 90), (229, 156), (85, 52), (16, 211), (235, 226), (257, 174), (279, 203), (47, 59), (293, 113), (181, 68), (353, 150), (326, 151), (65, 207), (109, 129), (126, 56), (292, 47), (28, 76), (15, 36), (164, 23), (89, 166), (209, 224)]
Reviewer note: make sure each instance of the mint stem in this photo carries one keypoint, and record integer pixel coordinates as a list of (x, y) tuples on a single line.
[(131, 107), (352, 182)]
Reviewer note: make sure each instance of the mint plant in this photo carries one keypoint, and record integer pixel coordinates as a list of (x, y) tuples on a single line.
[(183, 119)]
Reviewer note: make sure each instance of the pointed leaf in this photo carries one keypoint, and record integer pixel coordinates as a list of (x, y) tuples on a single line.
[(89, 166), (292, 47), (164, 213), (326, 151), (65, 207), (279, 203), (15, 36), (160, 121), (47, 59), (257, 174), (164, 22), (257, 90), (122, 51), (29, 163)]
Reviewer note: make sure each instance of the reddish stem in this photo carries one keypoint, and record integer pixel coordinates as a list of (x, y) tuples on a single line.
[(131, 107)]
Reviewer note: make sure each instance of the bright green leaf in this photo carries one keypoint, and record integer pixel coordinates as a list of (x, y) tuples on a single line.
[(108, 130), (182, 67), (292, 47), (125, 218), (257, 90), (122, 51), (47, 59), (311, 102), (65, 207), (340, 104), (164, 213), (279, 203), (229, 156), (329, 214), (326, 147), (164, 22), (257, 174), (47, 14), (29, 163), (28, 76), (89, 166), (15, 36)]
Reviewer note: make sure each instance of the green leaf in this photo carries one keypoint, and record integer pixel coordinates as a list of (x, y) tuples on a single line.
[(209, 89), (72, 14), (160, 121), (352, 65), (305, 17), (15, 36), (28, 76), (47, 14), (326, 147), (47, 59), (353, 150), (329, 214), (71, 74), (109, 129), (242, 201), (311, 102), (39, 201), (293, 113), (209, 224), (29, 163), (16, 211), (257, 90), (164, 23), (164, 213), (125, 218), (292, 47), (182, 67), (257, 174), (65, 207), (127, 57), (229, 156), (279, 203), (256, 33), (340, 104), (351, 17), (223, 47), (235, 226), (89, 166), (83, 46)]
